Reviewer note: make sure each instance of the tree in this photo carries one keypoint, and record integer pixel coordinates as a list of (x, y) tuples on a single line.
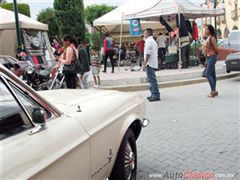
[(70, 17), (96, 40), (22, 8), (95, 11), (47, 16)]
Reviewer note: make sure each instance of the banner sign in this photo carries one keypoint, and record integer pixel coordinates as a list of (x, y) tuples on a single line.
[(33, 42), (135, 27)]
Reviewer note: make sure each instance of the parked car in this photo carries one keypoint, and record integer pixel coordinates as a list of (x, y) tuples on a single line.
[(233, 40), (67, 133), (233, 62), (9, 61)]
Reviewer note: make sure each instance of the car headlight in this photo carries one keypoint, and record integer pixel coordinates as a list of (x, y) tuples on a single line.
[(29, 70)]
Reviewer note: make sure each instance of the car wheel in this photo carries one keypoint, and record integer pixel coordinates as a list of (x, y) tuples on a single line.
[(125, 167), (228, 71)]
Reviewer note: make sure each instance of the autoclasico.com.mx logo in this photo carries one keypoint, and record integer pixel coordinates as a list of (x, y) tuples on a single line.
[(191, 175)]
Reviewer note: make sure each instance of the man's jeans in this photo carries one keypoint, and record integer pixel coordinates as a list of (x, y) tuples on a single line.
[(84, 80), (210, 71), (153, 82)]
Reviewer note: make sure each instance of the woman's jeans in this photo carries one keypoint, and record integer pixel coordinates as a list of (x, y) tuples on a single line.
[(210, 71), (153, 82)]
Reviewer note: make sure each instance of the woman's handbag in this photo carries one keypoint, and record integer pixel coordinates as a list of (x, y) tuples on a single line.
[(69, 68), (73, 68)]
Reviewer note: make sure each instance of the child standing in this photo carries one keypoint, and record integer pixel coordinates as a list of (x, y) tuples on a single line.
[(96, 65)]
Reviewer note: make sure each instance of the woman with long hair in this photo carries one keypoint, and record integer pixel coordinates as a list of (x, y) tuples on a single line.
[(68, 56), (211, 51)]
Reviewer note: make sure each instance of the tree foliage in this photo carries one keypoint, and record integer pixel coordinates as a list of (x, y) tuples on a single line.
[(96, 40), (95, 11), (70, 17), (47, 16), (3, 1), (22, 8)]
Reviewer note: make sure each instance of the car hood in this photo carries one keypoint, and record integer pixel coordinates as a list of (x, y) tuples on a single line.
[(233, 56), (67, 99), (98, 108)]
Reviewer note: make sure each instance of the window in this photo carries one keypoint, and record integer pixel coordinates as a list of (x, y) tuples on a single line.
[(27, 101), (13, 119), (235, 27)]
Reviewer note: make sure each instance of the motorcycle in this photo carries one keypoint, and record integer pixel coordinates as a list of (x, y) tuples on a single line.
[(37, 76), (57, 78)]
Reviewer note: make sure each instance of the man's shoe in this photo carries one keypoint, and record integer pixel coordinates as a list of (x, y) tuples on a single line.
[(149, 97), (104, 71), (154, 99)]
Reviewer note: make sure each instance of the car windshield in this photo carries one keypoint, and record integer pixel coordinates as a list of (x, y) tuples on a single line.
[(235, 36)]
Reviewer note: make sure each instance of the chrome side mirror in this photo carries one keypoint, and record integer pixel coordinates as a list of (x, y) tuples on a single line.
[(39, 118)]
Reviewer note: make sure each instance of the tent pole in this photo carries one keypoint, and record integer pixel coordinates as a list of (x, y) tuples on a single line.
[(18, 33), (179, 42), (120, 43)]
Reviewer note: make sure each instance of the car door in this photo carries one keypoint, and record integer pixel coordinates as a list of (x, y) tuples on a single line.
[(61, 151)]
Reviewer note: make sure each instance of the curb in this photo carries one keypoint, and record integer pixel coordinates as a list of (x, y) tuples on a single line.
[(145, 86)]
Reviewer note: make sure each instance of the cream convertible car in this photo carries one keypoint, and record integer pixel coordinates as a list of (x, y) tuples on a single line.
[(67, 134)]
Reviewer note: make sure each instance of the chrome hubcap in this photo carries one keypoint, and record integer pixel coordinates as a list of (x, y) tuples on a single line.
[(129, 161)]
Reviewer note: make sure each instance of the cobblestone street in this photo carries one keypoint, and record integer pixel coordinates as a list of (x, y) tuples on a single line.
[(190, 132)]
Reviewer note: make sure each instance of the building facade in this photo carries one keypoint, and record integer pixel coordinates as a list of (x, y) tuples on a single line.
[(229, 21)]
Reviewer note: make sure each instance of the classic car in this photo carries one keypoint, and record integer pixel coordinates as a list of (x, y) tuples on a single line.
[(233, 62), (67, 133), (9, 61)]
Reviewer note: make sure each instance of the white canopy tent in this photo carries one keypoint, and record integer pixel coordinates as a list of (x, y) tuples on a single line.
[(111, 21), (169, 8), (8, 30), (189, 10)]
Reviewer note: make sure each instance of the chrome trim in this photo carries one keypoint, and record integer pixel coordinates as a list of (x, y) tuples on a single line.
[(129, 161), (40, 126), (37, 129), (79, 109), (110, 155), (17, 99), (145, 122), (109, 158)]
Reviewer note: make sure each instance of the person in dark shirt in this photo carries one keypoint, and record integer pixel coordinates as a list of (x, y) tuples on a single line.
[(85, 62)]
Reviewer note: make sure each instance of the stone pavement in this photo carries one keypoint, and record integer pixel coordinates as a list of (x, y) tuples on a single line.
[(190, 132), (126, 80)]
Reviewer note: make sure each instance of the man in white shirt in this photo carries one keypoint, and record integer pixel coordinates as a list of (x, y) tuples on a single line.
[(151, 63), (161, 39)]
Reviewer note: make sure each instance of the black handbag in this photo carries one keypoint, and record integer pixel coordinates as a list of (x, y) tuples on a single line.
[(69, 69), (74, 68)]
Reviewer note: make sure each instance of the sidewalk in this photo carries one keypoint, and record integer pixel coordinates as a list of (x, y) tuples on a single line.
[(126, 80)]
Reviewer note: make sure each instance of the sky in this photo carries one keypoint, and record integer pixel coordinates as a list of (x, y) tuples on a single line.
[(37, 5)]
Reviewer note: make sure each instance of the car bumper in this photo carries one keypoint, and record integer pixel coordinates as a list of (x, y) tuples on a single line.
[(233, 65)]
